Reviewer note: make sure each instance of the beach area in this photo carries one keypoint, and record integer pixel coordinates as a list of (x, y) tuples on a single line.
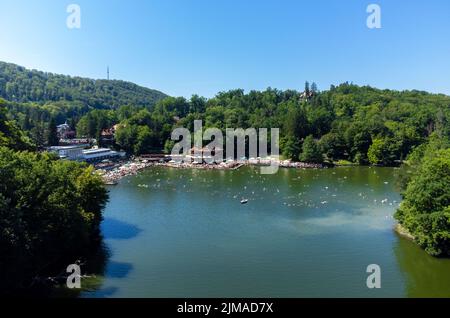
[(112, 173)]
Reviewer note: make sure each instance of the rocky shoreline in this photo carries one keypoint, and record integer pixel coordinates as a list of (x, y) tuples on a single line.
[(127, 168), (402, 231), (112, 176)]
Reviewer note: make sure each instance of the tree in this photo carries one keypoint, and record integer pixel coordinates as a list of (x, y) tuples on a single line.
[(37, 135), (310, 151), (197, 104), (126, 137), (290, 147), (168, 146), (425, 210), (144, 140), (376, 151), (332, 145), (173, 106), (358, 138), (50, 213), (384, 151), (296, 122), (92, 124), (52, 134), (307, 89), (141, 118), (320, 120), (415, 159), (10, 135)]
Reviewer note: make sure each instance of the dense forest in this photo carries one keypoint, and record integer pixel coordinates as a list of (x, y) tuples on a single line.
[(34, 98), (363, 125), (50, 211), (348, 123), (19, 84)]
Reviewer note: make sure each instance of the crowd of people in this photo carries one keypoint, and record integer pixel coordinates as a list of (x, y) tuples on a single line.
[(115, 172)]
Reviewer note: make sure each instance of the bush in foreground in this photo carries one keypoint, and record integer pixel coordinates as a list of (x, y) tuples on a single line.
[(425, 211)]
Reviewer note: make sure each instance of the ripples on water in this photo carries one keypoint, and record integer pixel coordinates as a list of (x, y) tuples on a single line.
[(303, 233)]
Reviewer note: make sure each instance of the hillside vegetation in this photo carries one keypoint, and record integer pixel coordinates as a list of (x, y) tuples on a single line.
[(363, 125), (19, 84), (50, 211)]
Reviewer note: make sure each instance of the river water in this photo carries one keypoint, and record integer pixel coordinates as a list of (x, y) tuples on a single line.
[(303, 233)]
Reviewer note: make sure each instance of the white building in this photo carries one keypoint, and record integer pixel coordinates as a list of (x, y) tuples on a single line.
[(74, 152), (78, 152), (64, 131), (62, 127), (101, 154)]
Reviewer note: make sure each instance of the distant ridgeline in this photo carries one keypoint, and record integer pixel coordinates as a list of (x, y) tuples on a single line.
[(19, 84)]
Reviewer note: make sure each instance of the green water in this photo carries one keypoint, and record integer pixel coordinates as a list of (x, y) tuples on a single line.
[(303, 233)]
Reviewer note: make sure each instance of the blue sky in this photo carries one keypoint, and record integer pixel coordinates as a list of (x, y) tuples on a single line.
[(182, 47)]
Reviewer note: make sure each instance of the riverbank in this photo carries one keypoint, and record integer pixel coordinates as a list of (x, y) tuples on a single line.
[(123, 169), (114, 173), (402, 231), (234, 165)]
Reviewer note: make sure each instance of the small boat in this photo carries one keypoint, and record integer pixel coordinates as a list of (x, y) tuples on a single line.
[(244, 201), (111, 182)]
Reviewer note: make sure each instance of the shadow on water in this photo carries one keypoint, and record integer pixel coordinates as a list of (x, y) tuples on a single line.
[(114, 270), (111, 229), (106, 292), (118, 270), (95, 265), (115, 229), (425, 276), (93, 269)]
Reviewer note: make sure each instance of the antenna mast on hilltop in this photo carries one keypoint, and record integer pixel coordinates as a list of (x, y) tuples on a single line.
[(107, 72)]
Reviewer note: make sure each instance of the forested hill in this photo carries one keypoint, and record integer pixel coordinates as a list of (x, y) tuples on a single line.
[(19, 84), (347, 122)]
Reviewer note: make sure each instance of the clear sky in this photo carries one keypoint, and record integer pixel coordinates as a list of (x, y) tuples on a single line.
[(182, 47)]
